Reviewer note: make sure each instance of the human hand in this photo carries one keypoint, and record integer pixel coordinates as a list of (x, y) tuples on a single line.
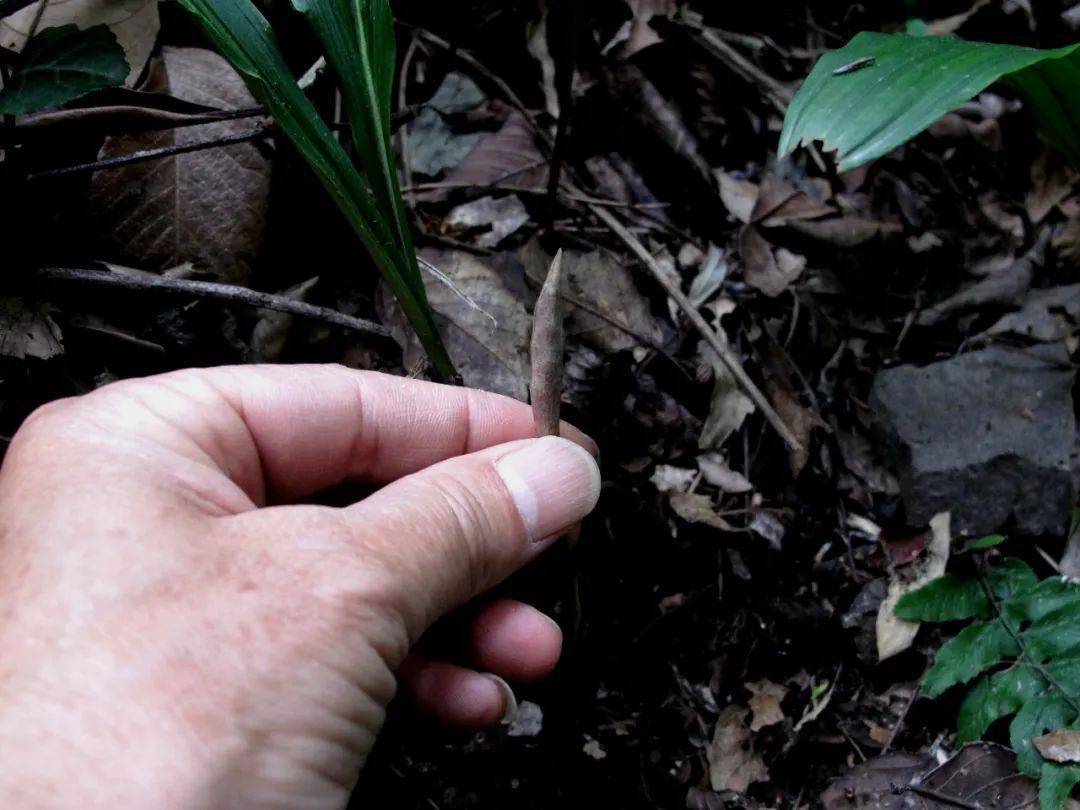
[(171, 640)]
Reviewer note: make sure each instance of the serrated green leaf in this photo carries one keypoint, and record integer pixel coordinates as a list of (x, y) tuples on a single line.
[(1056, 783), (241, 33), (913, 81), (974, 650), (945, 599), (1045, 598), (1011, 577), (1048, 712), (983, 543), (61, 64), (1054, 634), (996, 696)]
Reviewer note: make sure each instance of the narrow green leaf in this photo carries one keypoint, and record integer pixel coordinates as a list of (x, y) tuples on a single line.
[(360, 44), (1048, 712), (983, 543), (1056, 783), (241, 33), (996, 696), (62, 64), (974, 650), (913, 81), (945, 599)]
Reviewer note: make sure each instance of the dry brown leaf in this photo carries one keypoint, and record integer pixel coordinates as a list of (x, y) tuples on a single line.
[(135, 23), (642, 34), (696, 508), (508, 156), (272, 330), (733, 765), (739, 196), (765, 704), (595, 283), (714, 468), (848, 231), (206, 207), (484, 325), (1059, 746), (728, 405), (779, 202), (765, 269), (546, 352), (895, 635), (26, 330)]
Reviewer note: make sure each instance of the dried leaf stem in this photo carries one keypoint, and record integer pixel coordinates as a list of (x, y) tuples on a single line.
[(546, 352), (208, 289)]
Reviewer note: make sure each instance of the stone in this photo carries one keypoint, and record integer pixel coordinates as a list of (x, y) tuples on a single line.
[(987, 436)]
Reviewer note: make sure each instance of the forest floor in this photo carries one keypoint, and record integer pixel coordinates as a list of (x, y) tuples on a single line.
[(721, 607)]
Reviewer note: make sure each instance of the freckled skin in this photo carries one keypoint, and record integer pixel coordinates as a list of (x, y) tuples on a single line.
[(172, 641)]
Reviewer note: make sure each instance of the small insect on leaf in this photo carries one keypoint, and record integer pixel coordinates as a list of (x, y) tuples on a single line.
[(858, 64), (548, 340)]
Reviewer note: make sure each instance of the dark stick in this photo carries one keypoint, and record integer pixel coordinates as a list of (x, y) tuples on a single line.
[(209, 289), (151, 154), (170, 151)]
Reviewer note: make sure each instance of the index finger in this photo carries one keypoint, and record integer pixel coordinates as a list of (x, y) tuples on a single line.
[(315, 426)]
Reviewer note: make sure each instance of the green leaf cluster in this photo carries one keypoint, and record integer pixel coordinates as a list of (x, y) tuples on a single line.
[(61, 64), (1021, 655), (914, 80), (358, 38)]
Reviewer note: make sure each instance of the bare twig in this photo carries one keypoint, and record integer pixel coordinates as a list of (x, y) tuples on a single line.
[(151, 154), (403, 133), (677, 295), (777, 94), (208, 289), (546, 352)]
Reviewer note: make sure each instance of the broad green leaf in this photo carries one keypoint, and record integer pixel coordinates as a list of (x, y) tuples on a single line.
[(996, 696), (1056, 783), (241, 33), (913, 81), (1048, 712), (983, 543), (974, 650), (61, 64), (945, 599)]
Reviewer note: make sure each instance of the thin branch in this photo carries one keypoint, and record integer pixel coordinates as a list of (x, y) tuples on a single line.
[(726, 356), (1024, 653), (208, 289), (152, 154)]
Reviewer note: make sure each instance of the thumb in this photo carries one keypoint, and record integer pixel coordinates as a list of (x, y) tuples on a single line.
[(453, 530)]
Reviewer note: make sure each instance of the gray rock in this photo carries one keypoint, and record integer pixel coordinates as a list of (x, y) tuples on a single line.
[(986, 436)]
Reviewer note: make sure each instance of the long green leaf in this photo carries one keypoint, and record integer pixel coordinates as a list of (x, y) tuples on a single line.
[(61, 64), (244, 37), (358, 36), (912, 81)]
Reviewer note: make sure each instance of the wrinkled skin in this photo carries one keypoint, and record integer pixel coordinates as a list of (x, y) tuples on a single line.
[(176, 634)]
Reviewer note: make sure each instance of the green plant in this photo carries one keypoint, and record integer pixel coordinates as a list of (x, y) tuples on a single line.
[(1023, 646), (61, 64), (358, 38), (914, 80)]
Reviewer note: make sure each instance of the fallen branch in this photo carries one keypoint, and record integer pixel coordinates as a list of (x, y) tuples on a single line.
[(209, 289), (707, 332)]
